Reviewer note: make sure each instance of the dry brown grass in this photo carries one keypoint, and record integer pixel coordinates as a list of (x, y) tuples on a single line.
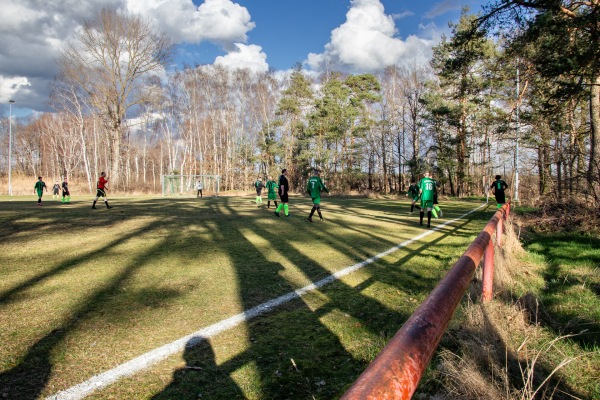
[(572, 214)]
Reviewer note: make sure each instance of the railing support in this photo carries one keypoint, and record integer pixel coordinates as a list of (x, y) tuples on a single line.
[(499, 231), (488, 272)]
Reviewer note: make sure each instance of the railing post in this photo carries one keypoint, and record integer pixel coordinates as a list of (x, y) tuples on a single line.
[(499, 231), (488, 272)]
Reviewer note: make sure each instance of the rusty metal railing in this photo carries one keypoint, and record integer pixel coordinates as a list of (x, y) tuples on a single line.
[(397, 370)]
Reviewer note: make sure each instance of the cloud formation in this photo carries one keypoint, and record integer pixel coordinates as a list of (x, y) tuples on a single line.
[(218, 21), (367, 42), (247, 56), (32, 33)]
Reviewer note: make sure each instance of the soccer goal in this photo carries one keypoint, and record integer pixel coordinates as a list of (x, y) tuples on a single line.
[(187, 185)]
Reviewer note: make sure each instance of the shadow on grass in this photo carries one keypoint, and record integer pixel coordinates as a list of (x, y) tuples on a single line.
[(295, 352), (28, 379), (570, 300), (493, 356)]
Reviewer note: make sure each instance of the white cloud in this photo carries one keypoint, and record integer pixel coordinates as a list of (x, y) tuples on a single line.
[(366, 42), (247, 56), (10, 86), (219, 21)]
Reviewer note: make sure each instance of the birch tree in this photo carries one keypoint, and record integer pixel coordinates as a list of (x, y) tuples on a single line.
[(108, 59)]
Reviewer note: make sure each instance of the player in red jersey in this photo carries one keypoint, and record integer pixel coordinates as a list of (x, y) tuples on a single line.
[(101, 190)]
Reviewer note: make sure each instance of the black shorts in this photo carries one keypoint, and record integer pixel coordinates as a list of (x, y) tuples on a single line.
[(66, 193), (100, 193), (500, 198), (258, 191), (283, 197)]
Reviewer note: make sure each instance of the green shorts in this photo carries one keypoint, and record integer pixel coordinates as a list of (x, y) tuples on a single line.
[(426, 204), (316, 200), (40, 193)]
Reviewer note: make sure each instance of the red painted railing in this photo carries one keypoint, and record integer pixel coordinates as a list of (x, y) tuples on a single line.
[(397, 370)]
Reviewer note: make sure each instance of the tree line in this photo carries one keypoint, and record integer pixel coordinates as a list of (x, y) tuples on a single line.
[(461, 117)]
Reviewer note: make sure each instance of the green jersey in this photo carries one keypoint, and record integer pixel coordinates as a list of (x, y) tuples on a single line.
[(427, 186), (413, 191), (272, 190), (39, 186), (315, 186)]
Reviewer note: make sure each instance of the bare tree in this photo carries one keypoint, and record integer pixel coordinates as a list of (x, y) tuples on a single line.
[(109, 59)]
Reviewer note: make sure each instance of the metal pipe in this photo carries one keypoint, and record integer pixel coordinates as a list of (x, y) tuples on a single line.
[(397, 370)]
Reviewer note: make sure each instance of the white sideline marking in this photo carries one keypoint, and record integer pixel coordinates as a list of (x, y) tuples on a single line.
[(152, 357)]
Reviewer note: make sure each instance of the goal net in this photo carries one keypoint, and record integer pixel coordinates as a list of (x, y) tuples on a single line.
[(187, 185)]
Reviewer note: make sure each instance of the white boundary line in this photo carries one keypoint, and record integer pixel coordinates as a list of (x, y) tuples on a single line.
[(154, 356)]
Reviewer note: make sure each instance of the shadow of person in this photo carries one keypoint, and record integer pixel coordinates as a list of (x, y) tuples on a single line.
[(197, 379), (28, 379)]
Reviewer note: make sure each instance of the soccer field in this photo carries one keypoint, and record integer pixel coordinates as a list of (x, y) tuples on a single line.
[(83, 291)]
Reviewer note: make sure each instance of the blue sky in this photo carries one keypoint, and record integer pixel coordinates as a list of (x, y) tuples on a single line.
[(355, 36)]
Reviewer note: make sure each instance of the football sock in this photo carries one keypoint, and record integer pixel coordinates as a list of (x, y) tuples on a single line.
[(412, 207), (428, 218), (433, 212), (286, 209), (319, 211), (421, 215), (275, 201), (312, 211), (279, 207)]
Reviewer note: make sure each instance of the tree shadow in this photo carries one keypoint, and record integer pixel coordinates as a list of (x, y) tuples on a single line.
[(296, 351)]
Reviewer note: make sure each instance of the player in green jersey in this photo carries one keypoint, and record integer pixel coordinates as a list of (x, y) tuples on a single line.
[(498, 188), (271, 186), (314, 188), (427, 193), (258, 185), (39, 189), (413, 193)]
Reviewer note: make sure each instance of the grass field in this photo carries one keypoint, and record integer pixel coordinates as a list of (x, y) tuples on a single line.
[(82, 291)]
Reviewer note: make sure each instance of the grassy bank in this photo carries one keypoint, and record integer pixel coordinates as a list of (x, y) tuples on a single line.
[(540, 337)]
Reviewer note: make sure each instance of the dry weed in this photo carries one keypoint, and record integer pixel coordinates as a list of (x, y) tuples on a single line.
[(498, 353), (572, 214)]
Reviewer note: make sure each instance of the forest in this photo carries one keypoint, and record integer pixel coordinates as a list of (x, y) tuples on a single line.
[(514, 90)]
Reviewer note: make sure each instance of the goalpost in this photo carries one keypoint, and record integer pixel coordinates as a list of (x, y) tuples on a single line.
[(186, 185)]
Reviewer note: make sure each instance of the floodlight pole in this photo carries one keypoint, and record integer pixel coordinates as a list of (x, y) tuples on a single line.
[(516, 197), (10, 103)]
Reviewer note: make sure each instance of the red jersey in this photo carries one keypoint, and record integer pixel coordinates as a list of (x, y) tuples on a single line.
[(102, 182)]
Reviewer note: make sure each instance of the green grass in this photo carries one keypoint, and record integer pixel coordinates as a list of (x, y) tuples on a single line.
[(567, 286), (83, 290)]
